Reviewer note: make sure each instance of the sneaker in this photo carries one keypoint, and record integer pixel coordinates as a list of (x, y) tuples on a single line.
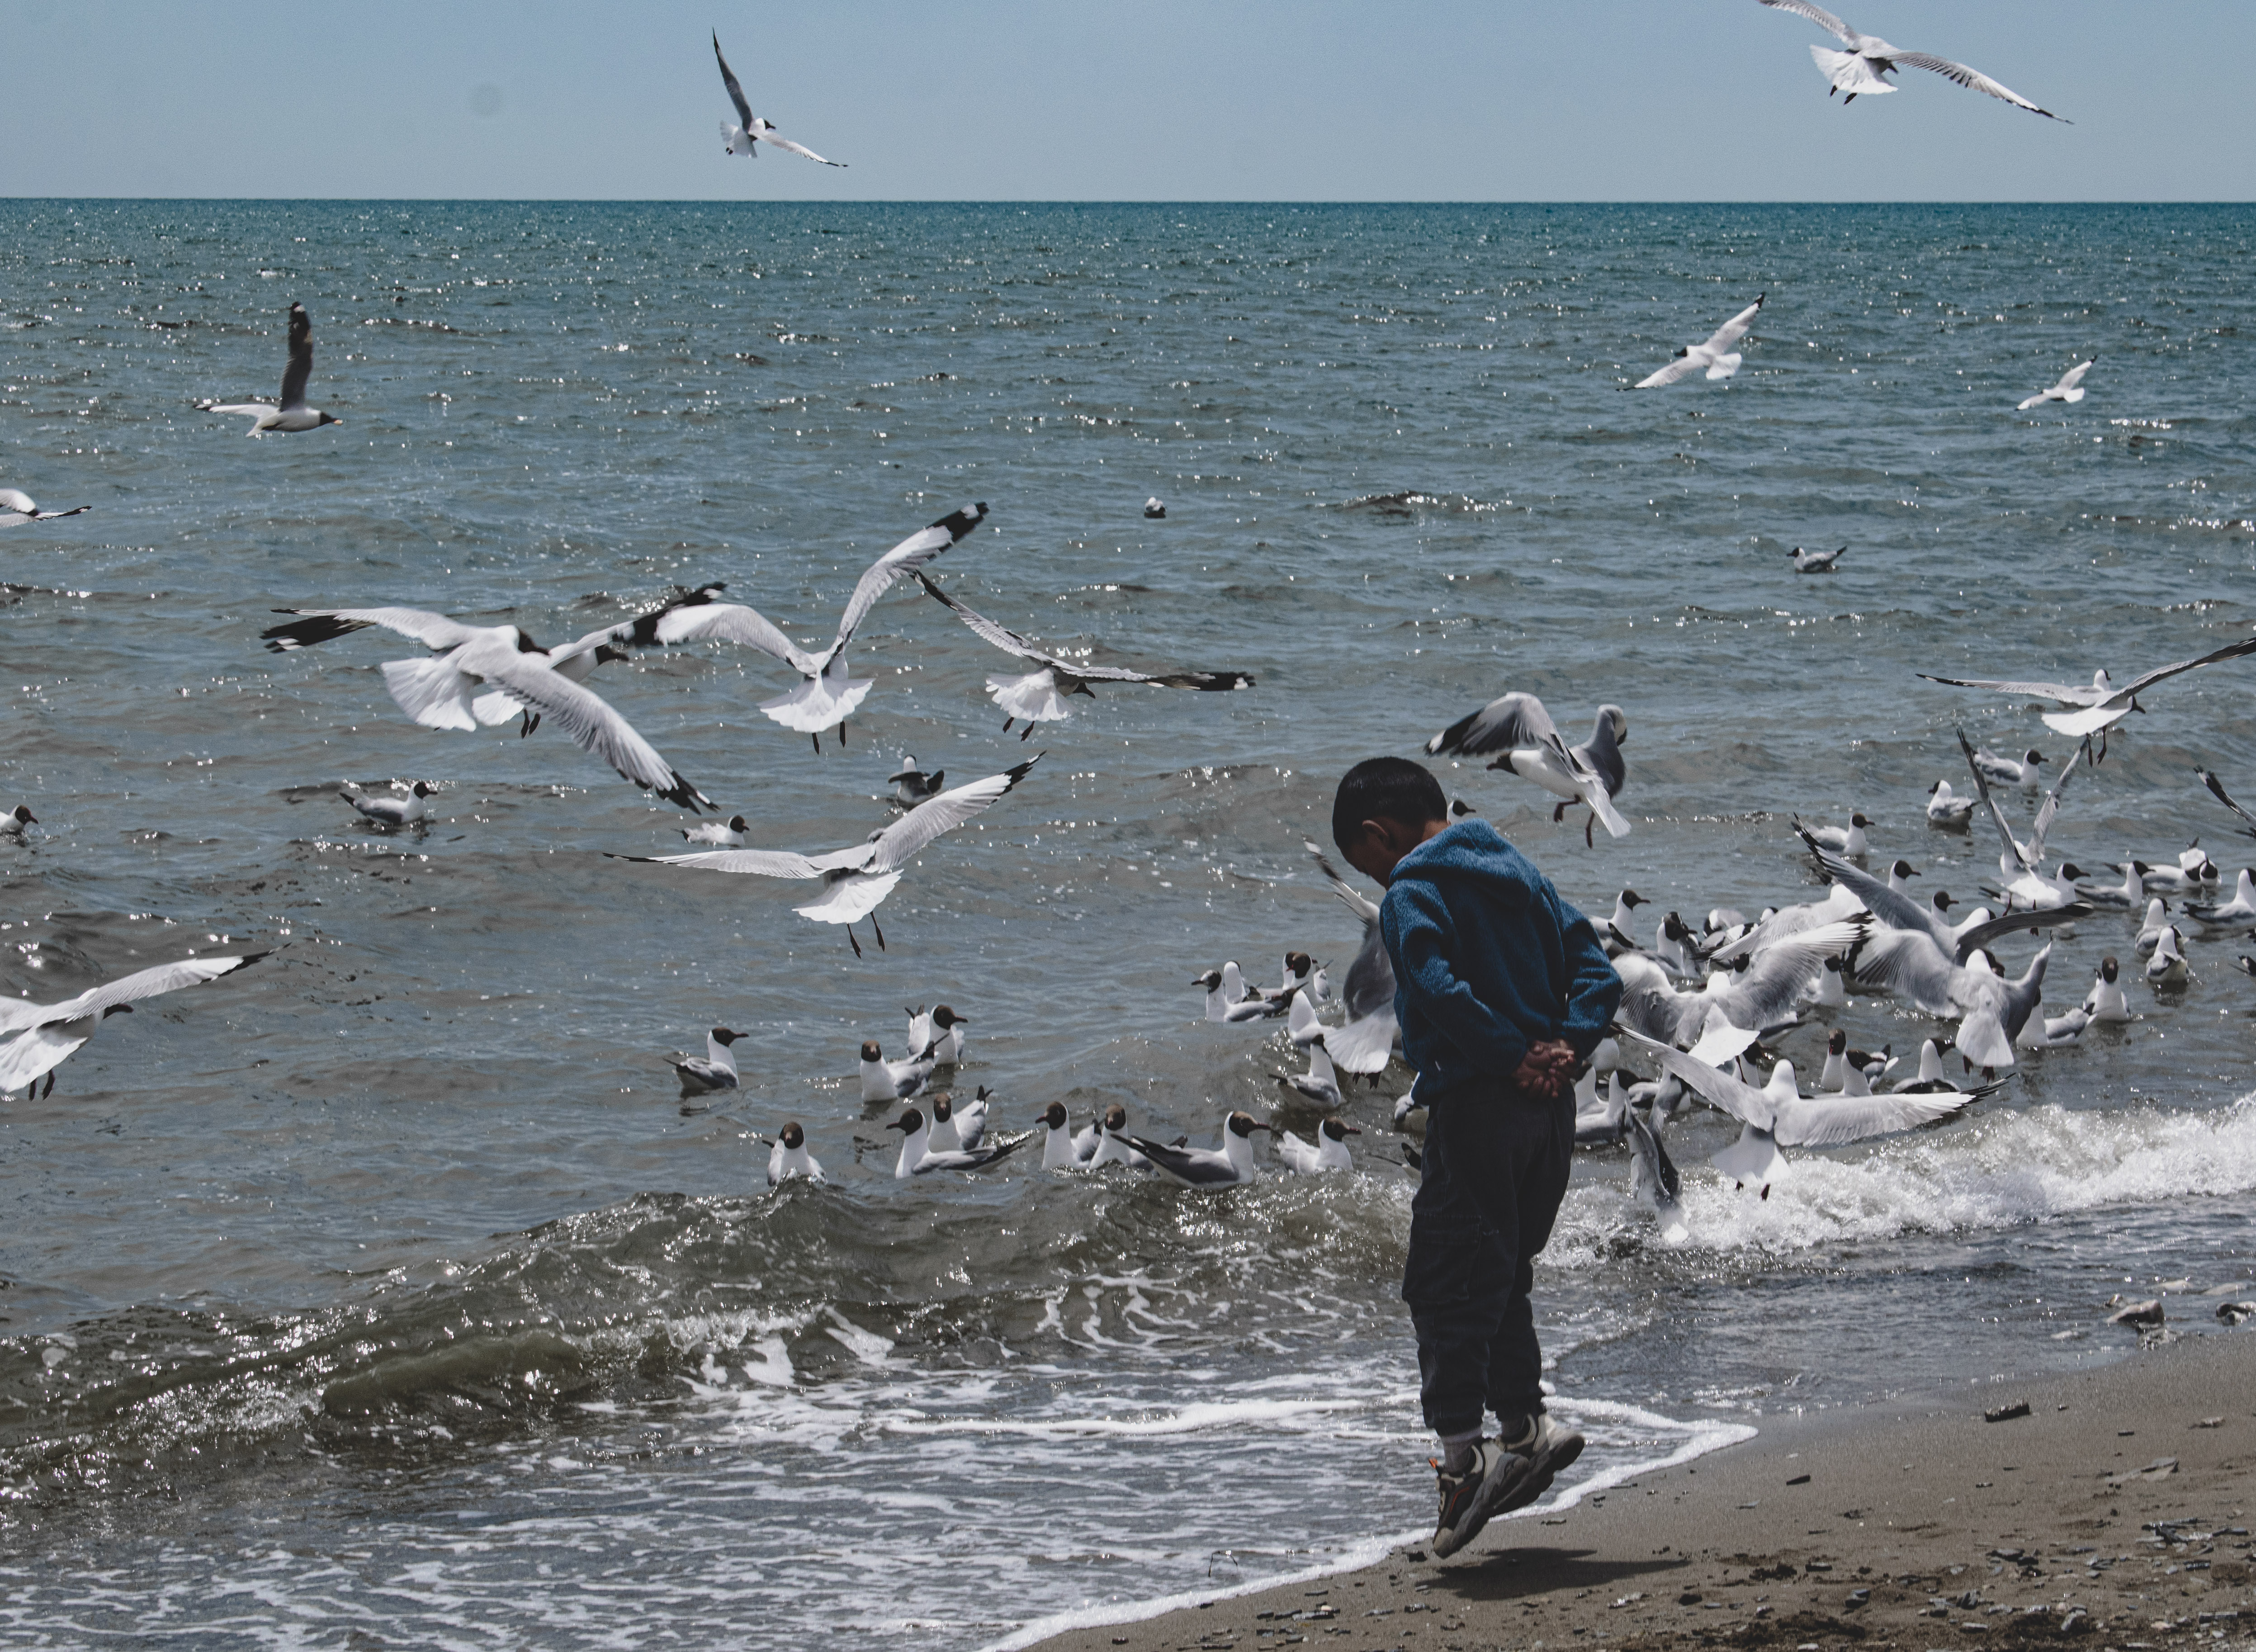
[(1469, 1497), (1541, 1453)]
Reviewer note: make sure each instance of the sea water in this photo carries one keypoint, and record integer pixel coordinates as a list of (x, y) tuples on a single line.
[(385, 1292)]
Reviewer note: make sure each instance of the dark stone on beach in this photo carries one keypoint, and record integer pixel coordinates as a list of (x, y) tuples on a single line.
[(2006, 1413)]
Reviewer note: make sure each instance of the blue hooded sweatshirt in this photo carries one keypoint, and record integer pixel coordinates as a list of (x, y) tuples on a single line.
[(1488, 960)]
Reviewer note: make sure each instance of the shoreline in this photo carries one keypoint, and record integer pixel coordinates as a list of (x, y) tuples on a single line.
[(1915, 1523)]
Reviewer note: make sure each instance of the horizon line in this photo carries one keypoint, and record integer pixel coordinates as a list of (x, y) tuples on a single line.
[(1064, 200)]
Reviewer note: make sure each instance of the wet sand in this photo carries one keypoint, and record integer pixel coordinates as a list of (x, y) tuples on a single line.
[(2115, 1513)]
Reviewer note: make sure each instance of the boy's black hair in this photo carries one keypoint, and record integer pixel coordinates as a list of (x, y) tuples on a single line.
[(1386, 788)]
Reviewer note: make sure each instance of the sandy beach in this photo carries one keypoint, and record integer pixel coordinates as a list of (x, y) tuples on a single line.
[(2113, 1512)]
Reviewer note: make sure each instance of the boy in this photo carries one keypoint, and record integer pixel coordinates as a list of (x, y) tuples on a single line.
[(1502, 991)]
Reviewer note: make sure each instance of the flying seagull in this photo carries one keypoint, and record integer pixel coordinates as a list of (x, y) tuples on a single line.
[(1716, 355), (1858, 69), (292, 415), (45, 1034), (573, 660), (2216, 787), (740, 140), (16, 509), (855, 880), (1040, 697), (828, 695), (2122, 701), (2070, 387), (440, 691), (1518, 726)]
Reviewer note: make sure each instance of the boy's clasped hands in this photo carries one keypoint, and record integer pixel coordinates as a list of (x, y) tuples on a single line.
[(1549, 1070)]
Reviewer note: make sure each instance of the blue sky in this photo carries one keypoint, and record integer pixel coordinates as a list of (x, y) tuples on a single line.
[(1452, 100)]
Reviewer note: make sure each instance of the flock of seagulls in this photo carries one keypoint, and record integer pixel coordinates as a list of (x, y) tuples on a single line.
[(1700, 1005)]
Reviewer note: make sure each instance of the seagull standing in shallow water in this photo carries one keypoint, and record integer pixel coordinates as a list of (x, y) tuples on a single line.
[(1715, 353), (293, 414), (744, 139), (1859, 70)]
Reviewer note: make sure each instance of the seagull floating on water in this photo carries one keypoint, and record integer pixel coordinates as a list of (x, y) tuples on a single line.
[(883, 1080), (46, 1035), (959, 1125), (855, 880), (2069, 389), (1319, 1086), (1715, 354), (918, 1158), (1859, 70), (2105, 1001), (2238, 913), (293, 414), (827, 694), (2167, 967), (16, 509), (744, 139), (727, 834), (1327, 1152), (392, 811), (1228, 1166), (1040, 697), (1947, 809), (791, 1160), (13, 822), (1815, 562), (1848, 840), (1517, 726), (716, 1070)]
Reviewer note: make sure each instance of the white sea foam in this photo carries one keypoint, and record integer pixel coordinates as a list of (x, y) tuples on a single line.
[(2002, 1169), (1608, 1421)]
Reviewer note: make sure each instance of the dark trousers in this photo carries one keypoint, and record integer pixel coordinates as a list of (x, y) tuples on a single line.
[(1496, 1169)]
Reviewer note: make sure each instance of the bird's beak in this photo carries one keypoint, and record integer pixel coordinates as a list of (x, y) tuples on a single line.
[(1354, 1130)]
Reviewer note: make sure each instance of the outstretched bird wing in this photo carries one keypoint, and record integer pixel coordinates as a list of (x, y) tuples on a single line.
[(900, 842), (734, 622), (1010, 643), (1973, 80), (1735, 329), (728, 80), (2060, 693), (911, 554), (2115, 705), (586, 715), (1819, 16), (1505, 724), (326, 624), (773, 137), (126, 988), (301, 359)]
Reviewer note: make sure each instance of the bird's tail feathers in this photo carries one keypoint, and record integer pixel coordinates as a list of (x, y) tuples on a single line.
[(431, 692)]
